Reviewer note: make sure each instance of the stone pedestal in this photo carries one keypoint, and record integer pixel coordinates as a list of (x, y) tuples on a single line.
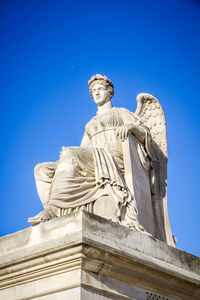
[(83, 256)]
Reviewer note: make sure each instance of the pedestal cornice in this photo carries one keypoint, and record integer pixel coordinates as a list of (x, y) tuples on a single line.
[(83, 250)]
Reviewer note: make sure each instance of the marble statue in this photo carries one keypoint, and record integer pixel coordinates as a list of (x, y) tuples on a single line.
[(119, 171)]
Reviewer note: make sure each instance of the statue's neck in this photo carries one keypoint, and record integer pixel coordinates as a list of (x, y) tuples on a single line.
[(105, 107)]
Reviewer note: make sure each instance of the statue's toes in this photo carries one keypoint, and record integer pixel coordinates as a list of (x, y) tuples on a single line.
[(37, 219), (44, 219), (34, 220), (41, 217)]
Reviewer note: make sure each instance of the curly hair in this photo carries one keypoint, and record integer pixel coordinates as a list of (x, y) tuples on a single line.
[(103, 80)]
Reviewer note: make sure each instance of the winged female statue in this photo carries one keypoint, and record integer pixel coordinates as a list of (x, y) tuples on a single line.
[(119, 170)]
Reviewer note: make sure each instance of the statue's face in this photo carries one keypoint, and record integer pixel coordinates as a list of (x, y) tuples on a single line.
[(100, 94)]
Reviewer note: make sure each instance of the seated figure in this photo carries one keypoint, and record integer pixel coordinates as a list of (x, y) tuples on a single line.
[(95, 172)]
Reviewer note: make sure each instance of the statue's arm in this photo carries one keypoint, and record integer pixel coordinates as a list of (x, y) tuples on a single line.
[(131, 125), (86, 142), (139, 132)]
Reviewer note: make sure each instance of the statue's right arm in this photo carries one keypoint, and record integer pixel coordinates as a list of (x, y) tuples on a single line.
[(86, 142)]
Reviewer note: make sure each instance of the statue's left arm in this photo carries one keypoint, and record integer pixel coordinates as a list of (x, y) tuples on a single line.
[(131, 125)]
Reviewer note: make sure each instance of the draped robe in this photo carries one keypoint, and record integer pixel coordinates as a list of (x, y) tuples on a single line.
[(96, 168)]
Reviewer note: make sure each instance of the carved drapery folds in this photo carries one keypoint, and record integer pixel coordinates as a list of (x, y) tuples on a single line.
[(119, 171)]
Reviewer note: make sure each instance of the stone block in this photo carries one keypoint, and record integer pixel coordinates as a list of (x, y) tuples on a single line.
[(84, 256)]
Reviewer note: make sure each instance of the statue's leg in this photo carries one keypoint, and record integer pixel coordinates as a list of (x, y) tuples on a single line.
[(74, 167), (44, 173), (54, 182)]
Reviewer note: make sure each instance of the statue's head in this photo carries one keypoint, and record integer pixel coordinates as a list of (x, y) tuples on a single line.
[(101, 89)]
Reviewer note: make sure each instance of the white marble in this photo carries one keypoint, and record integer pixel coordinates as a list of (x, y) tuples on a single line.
[(84, 256), (119, 171)]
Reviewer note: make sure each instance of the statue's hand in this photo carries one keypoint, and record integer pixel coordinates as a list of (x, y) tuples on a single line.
[(123, 131)]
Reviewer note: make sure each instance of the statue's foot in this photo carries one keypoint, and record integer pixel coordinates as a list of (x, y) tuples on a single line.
[(43, 216)]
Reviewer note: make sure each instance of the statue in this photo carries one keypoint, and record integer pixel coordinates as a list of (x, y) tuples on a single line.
[(119, 171)]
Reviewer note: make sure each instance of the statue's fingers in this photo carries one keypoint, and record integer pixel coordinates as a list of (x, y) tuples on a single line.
[(117, 131), (123, 134), (125, 129), (126, 133), (120, 133)]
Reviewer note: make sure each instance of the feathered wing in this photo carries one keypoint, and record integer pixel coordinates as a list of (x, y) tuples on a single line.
[(152, 116)]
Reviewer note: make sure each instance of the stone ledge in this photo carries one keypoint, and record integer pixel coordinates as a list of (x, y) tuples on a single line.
[(88, 244)]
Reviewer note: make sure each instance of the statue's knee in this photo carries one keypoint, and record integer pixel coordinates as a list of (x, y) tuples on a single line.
[(39, 167)]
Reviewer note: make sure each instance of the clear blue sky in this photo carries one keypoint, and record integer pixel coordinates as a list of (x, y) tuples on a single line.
[(49, 50)]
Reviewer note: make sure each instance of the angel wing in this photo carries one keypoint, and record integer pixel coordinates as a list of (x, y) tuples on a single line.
[(152, 116)]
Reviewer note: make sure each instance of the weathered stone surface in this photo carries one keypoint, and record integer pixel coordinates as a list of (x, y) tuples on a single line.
[(84, 256), (118, 172)]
